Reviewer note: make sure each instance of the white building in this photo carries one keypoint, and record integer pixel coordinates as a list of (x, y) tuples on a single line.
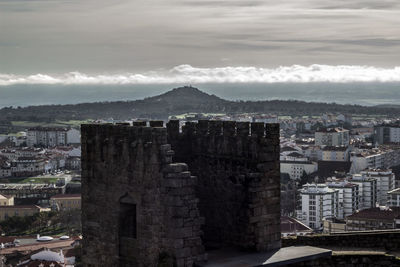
[(374, 159), (332, 137), (367, 187), (349, 197), (27, 166), (73, 136), (385, 183), (394, 198), (295, 169), (389, 133), (312, 152), (48, 137), (318, 202)]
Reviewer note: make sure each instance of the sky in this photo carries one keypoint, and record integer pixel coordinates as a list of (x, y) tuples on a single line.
[(123, 41)]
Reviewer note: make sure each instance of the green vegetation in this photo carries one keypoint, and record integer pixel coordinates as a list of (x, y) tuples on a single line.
[(56, 123), (44, 223), (28, 180), (177, 101)]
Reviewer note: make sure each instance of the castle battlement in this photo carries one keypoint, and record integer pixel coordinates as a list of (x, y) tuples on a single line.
[(152, 192)]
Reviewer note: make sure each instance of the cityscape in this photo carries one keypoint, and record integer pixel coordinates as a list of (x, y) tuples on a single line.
[(199, 133), (338, 173)]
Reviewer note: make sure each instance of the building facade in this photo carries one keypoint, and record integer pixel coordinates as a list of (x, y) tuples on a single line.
[(66, 202), (332, 137), (318, 202), (385, 182), (349, 197)]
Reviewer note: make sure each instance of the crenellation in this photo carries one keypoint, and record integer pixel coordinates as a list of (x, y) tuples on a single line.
[(214, 184), (202, 127), (215, 128), (229, 128), (258, 129), (243, 128), (139, 123), (156, 123)]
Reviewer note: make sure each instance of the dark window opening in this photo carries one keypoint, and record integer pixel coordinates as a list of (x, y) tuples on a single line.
[(127, 220)]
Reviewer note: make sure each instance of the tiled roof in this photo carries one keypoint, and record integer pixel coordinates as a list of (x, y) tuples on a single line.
[(289, 225), (376, 214)]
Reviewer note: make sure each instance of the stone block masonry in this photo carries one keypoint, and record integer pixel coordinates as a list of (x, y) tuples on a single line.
[(155, 196)]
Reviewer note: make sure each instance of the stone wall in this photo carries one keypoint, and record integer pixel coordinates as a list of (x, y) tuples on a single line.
[(389, 241), (143, 207), (139, 208), (237, 165)]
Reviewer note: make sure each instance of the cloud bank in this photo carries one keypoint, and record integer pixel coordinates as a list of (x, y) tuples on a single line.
[(184, 74)]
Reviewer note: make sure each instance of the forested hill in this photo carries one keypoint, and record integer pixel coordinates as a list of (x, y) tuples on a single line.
[(178, 101)]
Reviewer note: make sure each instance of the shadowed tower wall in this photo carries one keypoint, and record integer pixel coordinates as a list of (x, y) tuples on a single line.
[(139, 208), (237, 165)]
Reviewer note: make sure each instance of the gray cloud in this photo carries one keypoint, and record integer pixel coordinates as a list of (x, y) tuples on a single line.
[(95, 36)]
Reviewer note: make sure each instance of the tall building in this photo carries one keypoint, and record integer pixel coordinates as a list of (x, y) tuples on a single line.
[(332, 137), (387, 133), (51, 137), (367, 190), (385, 182), (349, 197), (318, 202), (394, 198), (155, 193)]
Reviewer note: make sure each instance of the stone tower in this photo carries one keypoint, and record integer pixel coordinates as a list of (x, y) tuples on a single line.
[(154, 195)]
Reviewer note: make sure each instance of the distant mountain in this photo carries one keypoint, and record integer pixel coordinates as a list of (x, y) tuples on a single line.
[(387, 106), (178, 101)]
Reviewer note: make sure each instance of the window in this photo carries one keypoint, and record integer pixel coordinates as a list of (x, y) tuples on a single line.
[(127, 218)]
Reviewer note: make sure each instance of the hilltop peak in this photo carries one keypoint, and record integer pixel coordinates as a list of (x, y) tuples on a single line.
[(186, 91), (187, 95)]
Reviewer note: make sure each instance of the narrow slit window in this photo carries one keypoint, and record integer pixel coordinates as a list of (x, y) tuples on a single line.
[(127, 223)]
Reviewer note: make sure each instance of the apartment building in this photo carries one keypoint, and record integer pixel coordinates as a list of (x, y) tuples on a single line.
[(318, 202), (51, 137), (385, 182), (332, 137), (335, 153), (349, 197), (368, 191), (394, 198)]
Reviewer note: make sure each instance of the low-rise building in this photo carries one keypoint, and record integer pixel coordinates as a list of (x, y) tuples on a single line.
[(21, 211), (296, 169), (66, 202), (333, 225), (6, 200), (27, 166), (379, 218), (73, 163)]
